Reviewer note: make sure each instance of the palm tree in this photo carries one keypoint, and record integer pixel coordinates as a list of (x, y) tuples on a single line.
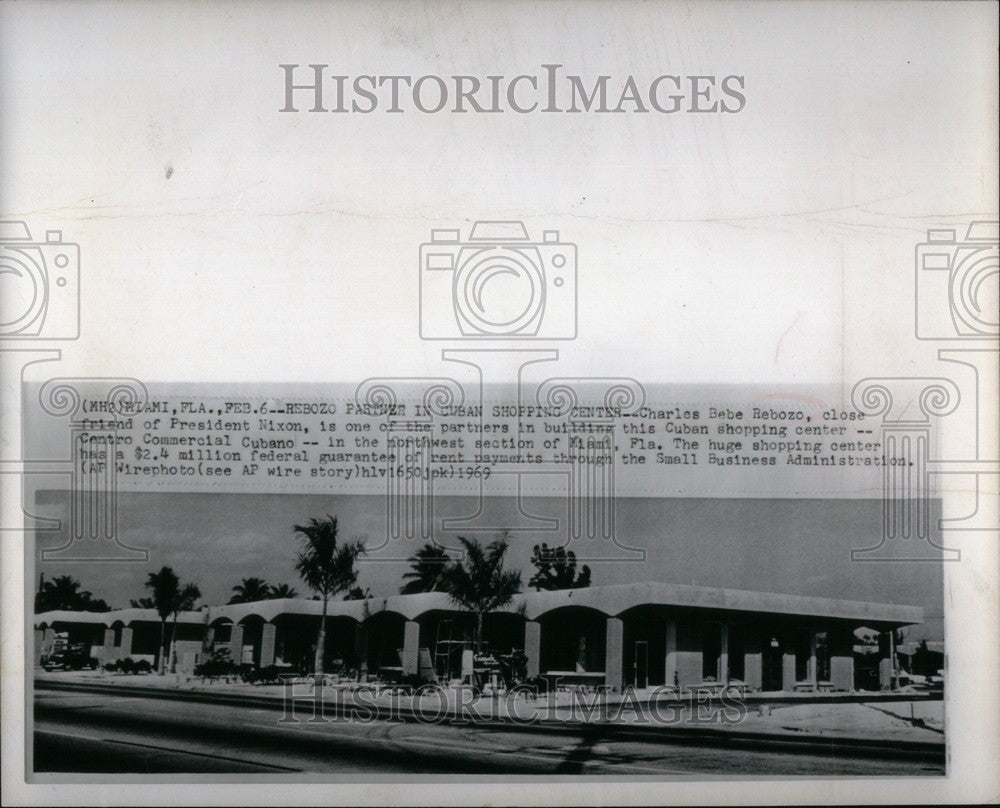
[(427, 571), (283, 591), (325, 567), (251, 590), (479, 583), (556, 569), (63, 592), (142, 603), (165, 586), (187, 597)]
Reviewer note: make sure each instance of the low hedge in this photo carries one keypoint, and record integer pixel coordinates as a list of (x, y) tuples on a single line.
[(129, 666)]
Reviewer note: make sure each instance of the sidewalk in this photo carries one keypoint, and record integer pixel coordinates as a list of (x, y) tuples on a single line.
[(898, 720)]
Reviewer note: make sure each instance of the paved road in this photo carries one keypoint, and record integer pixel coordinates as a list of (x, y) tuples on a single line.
[(85, 732)]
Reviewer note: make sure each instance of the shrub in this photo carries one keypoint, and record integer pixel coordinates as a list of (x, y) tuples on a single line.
[(269, 675), (214, 668), (129, 666), (219, 665)]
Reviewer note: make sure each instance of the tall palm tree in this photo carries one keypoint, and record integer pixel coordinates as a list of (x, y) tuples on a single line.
[(251, 590), (165, 586), (187, 597), (427, 571), (479, 583), (283, 591), (325, 567), (62, 592)]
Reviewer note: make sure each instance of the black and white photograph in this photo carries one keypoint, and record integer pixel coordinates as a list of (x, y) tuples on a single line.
[(737, 637), (499, 402)]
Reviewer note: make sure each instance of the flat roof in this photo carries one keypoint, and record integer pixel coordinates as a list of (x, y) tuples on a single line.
[(125, 616), (618, 598), (612, 600)]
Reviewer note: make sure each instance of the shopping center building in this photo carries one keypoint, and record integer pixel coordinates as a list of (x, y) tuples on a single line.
[(643, 635)]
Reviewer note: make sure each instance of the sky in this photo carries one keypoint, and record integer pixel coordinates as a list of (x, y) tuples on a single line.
[(793, 546)]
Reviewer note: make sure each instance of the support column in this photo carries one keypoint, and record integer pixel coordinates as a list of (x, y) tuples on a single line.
[(788, 671), (724, 653), (842, 659), (236, 644), (268, 635), (813, 673), (613, 648), (753, 662), (533, 647), (208, 642), (885, 660), (49, 641), (411, 648), (671, 677), (108, 649), (125, 648)]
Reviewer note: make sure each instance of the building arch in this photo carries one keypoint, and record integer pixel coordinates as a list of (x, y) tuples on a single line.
[(117, 628), (573, 639), (251, 637), (384, 633)]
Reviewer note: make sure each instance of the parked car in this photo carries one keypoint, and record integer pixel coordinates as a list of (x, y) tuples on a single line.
[(70, 657)]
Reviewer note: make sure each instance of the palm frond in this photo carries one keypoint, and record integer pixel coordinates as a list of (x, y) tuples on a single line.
[(479, 582), (324, 565), (165, 587)]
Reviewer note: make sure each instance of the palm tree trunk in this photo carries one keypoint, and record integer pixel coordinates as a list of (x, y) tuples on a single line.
[(321, 641), (477, 639), (163, 646), (173, 646)]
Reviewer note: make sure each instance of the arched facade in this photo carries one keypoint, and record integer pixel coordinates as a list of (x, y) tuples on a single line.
[(640, 635)]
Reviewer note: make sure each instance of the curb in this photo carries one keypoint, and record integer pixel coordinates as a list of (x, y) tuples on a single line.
[(852, 746)]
